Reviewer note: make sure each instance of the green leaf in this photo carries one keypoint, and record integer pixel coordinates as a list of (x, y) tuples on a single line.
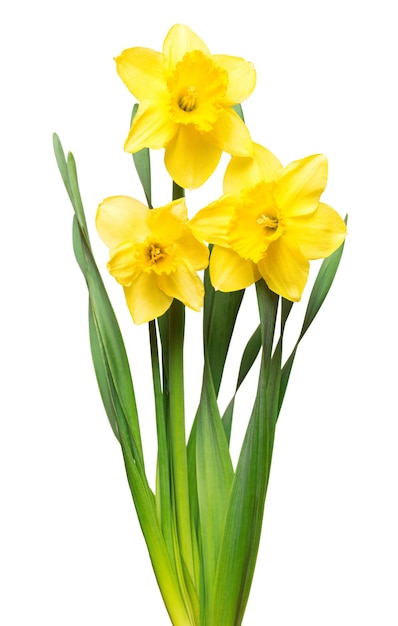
[(68, 173), (102, 373), (248, 358), (322, 285), (113, 375), (163, 479), (174, 595), (78, 205), (177, 605), (220, 311), (62, 166), (101, 309), (241, 538), (214, 476), (111, 338)]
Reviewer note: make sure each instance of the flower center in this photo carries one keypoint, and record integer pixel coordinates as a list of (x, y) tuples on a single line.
[(153, 256), (269, 224), (197, 87), (257, 222), (154, 253), (187, 101)]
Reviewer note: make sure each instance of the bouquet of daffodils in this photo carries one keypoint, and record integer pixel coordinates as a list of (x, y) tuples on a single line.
[(202, 519)]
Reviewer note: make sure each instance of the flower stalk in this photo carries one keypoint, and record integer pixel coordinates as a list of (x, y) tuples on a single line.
[(177, 434)]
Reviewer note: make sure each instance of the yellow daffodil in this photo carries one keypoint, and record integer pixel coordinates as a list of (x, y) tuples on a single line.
[(269, 223), (153, 254), (186, 96)]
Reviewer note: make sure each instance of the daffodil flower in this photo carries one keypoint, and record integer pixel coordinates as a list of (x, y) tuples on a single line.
[(269, 223), (153, 254), (186, 96)]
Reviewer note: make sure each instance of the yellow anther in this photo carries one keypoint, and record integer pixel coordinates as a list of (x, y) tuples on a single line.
[(155, 253), (187, 102), (268, 222)]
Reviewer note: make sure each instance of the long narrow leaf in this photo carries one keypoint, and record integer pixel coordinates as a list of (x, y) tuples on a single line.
[(62, 166), (111, 336), (245, 513), (102, 374), (214, 476), (114, 377), (163, 481), (78, 205), (178, 607), (249, 356), (220, 311), (321, 287), (102, 308), (67, 169)]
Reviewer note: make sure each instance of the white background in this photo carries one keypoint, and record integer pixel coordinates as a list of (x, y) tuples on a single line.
[(70, 546)]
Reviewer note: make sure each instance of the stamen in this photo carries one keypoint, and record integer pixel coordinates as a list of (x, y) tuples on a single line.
[(187, 102), (154, 253), (268, 222)]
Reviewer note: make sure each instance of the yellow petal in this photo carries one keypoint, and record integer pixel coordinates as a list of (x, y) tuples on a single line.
[(230, 134), (212, 223), (151, 128), (123, 264), (229, 272), (121, 219), (178, 209), (191, 250), (285, 269), (183, 284), (145, 299), (319, 234), (141, 70), (167, 223), (246, 173), (190, 159), (301, 184), (241, 77), (179, 40)]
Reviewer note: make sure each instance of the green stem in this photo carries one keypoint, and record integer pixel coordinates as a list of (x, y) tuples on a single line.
[(178, 455), (177, 437), (163, 489)]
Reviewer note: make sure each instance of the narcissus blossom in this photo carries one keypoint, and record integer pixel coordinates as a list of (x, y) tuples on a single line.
[(186, 96), (269, 223), (153, 254)]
